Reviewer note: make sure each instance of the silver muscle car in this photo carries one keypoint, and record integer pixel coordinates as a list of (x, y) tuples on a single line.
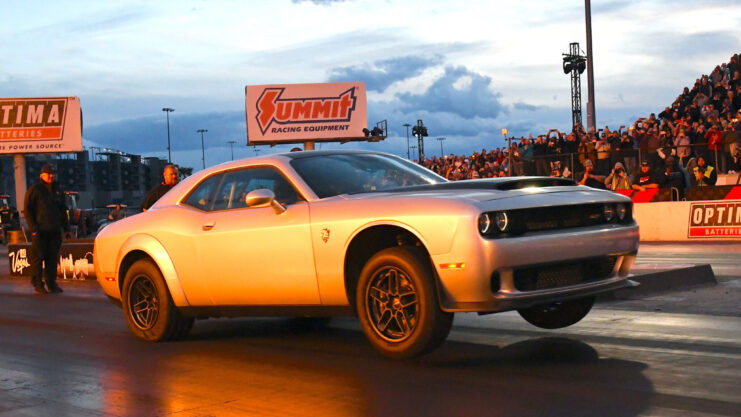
[(322, 233)]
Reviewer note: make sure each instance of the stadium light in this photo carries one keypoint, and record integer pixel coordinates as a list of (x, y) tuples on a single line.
[(167, 111)]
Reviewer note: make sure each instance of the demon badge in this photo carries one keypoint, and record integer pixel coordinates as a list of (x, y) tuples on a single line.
[(325, 235)]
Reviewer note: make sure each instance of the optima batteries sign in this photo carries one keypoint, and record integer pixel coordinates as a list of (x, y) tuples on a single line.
[(292, 113), (715, 220), (40, 124)]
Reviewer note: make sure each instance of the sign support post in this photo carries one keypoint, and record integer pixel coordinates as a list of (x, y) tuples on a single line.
[(19, 166)]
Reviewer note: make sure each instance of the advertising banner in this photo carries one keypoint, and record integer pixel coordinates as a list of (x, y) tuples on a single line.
[(711, 219), (296, 113), (40, 124)]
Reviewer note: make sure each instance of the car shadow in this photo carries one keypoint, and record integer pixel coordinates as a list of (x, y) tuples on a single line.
[(544, 376)]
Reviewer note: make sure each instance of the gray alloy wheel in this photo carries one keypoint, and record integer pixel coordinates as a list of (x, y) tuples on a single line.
[(397, 304), (148, 307)]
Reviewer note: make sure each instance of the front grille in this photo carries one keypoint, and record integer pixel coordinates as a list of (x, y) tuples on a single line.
[(563, 274), (561, 217)]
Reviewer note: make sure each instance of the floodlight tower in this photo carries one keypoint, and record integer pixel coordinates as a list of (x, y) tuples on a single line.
[(420, 131), (575, 63)]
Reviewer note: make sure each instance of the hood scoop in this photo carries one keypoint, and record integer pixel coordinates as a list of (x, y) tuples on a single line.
[(503, 184)]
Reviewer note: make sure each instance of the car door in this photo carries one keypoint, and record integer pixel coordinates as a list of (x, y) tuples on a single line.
[(252, 255)]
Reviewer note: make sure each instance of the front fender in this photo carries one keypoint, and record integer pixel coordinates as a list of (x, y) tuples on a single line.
[(152, 247)]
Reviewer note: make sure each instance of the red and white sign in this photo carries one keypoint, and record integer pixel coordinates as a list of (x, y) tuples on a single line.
[(294, 113), (40, 124), (715, 220)]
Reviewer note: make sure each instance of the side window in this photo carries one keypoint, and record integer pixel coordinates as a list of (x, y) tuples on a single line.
[(272, 180), (231, 192), (202, 197)]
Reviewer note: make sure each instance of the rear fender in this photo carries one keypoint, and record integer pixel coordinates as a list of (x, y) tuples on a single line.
[(154, 249)]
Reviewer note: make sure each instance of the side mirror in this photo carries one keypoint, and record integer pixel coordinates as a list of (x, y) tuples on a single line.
[(263, 197)]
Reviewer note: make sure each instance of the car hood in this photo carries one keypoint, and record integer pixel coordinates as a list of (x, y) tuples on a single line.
[(486, 190)]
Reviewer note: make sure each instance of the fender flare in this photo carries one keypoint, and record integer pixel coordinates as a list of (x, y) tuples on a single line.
[(157, 252), (441, 297)]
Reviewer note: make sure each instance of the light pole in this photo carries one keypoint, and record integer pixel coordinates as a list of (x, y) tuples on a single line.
[(231, 145), (509, 152), (167, 111), (413, 148), (256, 150), (441, 146), (407, 126), (203, 147)]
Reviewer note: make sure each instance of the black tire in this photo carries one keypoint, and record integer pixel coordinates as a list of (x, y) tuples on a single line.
[(557, 315), (397, 304), (148, 307)]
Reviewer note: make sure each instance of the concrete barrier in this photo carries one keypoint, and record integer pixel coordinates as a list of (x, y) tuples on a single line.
[(653, 281), (677, 221)]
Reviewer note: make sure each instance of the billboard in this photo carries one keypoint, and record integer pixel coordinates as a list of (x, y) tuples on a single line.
[(296, 113), (40, 124), (715, 220)]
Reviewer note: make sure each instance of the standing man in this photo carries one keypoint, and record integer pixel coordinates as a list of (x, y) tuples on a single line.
[(172, 176), (46, 217)]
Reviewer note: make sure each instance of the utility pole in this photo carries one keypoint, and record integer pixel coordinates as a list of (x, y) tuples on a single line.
[(203, 146), (591, 117)]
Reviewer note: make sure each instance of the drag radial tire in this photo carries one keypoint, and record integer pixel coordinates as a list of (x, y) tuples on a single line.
[(397, 303), (557, 315), (148, 307)]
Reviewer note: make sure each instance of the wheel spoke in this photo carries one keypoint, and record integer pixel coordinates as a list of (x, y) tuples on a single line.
[(384, 320), (381, 296), (411, 302)]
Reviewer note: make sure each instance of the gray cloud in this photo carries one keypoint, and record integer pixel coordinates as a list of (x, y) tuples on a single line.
[(149, 134), (524, 106), (386, 72), (474, 100), (673, 46), (320, 2), (97, 22)]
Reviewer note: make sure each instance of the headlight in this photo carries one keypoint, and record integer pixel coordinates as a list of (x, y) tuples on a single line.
[(502, 221), (484, 223), (609, 211), (622, 211)]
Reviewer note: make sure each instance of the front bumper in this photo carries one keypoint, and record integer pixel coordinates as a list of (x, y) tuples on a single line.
[(473, 290)]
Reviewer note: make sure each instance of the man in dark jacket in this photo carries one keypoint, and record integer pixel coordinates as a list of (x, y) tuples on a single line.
[(46, 217), (172, 176)]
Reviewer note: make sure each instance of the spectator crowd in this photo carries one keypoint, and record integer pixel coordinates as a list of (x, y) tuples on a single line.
[(685, 145)]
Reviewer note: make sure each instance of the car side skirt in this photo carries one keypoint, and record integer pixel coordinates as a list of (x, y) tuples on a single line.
[(266, 311)]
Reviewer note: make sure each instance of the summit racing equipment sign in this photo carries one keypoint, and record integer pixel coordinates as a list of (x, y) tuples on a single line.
[(294, 113), (42, 124), (710, 219)]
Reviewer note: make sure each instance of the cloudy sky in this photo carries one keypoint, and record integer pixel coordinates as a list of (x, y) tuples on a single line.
[(468, 69)]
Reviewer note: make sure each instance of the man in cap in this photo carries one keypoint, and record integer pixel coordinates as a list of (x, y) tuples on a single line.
[(644, 178), (589, 178), (46, 217)]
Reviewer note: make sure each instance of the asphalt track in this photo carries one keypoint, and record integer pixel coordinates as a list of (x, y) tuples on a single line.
[(664, 354)]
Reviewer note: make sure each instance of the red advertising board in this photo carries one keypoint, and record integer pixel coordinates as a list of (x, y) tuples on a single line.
[(40, 124), (710, 219), (295, 113)]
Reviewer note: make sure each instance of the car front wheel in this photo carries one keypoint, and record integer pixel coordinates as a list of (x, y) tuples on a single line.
[(557, 315), (397, 304), (148, 307)]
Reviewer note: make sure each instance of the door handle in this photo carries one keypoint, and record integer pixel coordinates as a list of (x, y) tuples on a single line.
[(209, 226)]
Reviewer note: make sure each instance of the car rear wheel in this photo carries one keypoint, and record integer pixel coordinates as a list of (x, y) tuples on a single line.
[(397, 304), (148, 307), (557, 315)]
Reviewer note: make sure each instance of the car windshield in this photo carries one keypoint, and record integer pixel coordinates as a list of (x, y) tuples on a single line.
[(330, 175)]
